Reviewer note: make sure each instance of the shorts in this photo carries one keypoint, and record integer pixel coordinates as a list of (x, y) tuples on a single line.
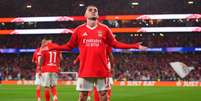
[(87, 84), (49, 79), (37, 79)]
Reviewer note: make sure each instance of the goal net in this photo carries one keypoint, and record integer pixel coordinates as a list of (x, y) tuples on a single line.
[(68, 76)]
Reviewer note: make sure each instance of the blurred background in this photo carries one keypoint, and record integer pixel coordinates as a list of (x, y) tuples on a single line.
[(170, 28)]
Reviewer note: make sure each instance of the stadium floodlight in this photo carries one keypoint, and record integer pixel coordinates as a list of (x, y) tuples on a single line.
[(81, 5), (28, 6), (135, 3), (190, 2)]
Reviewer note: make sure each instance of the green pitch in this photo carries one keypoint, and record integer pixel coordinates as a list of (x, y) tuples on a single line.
[(68, 93)]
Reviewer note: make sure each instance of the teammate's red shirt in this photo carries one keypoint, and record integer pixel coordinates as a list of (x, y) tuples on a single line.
[(51, 61), (92, 44), (35, 58)]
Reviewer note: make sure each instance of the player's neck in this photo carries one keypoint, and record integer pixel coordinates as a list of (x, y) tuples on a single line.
[(92, 23)]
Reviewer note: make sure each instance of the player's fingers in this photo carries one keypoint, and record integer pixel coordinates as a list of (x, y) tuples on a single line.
[(139, 43)]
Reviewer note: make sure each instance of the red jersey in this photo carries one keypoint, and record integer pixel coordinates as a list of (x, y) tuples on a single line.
[(35, 58), (51, 61), (92, 43)]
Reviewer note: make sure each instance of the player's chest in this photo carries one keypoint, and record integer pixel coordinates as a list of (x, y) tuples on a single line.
[(92, 34)]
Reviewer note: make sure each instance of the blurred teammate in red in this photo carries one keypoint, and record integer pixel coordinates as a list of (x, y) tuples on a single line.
[(92, 38), (49, 64), (35, 59)]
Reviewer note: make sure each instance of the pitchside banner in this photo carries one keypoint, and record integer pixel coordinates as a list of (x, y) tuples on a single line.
[(118, 83), (159, 83)]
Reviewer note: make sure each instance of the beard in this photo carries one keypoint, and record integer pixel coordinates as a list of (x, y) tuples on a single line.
[(93, 18)]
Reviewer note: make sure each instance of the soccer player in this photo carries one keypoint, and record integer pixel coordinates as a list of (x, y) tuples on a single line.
[(110, 62), (49, 64), (96, 96), (35, 59), (92, 38)]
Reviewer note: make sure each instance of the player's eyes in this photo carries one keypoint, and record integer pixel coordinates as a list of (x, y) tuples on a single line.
[(91, 9)]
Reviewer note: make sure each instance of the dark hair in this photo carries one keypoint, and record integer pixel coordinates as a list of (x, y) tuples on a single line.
[(90, 6), (47, 38)]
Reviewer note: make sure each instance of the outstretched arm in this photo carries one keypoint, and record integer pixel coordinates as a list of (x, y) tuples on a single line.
[(66, 47), (40, 62), (116, 44), (54, 46)]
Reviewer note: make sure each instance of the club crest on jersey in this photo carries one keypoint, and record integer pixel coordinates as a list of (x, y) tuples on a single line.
[(100, 33), (85, 34)]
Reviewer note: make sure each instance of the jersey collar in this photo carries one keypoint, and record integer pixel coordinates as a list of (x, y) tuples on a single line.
[(92, 28)]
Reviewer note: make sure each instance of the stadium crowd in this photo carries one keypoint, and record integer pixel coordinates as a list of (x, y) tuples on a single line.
[(110, 23), (149, 39), (128, 66)]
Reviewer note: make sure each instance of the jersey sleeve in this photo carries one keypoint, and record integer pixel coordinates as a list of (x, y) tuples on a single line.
[(114, 43), (68, 46)]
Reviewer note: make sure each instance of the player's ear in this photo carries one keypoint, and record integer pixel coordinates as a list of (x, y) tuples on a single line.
[(85, 14)]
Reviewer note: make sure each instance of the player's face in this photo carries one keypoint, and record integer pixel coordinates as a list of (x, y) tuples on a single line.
[(49, 41), (43, 42), (91, 12)]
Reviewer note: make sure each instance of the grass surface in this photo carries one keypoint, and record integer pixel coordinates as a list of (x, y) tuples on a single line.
[(120, 93)]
